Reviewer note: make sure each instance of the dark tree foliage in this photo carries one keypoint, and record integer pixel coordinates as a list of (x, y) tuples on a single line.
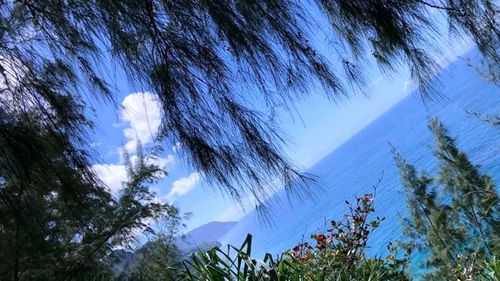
[(210, 62), (155, 259), (56, 221), (493, 119), (454, 217)]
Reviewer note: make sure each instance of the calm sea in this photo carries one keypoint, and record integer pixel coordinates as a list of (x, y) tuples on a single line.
[(355, 166)]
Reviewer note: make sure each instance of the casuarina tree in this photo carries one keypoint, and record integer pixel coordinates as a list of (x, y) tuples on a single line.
[(210, 62), (454, 216)]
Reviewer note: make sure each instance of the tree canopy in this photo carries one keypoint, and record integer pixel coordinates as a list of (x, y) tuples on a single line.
[(209, 61), (218, 69), (454, 216)]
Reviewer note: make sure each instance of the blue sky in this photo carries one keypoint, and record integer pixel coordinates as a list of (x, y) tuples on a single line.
[(315, 128)]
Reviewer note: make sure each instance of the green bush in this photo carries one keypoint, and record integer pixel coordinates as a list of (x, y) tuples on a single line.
[(454, 222), (336, 255)]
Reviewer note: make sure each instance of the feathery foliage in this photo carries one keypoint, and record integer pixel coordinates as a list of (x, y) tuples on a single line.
[(334, 256), (493, 119), (211, 62), (59, 225), (156, 258), (454, 216)]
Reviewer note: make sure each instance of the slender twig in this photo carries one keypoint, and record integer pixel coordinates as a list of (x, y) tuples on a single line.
[(439, 7)]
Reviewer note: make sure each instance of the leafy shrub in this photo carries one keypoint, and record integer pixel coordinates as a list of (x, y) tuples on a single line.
[(339, 254), (335, 255)]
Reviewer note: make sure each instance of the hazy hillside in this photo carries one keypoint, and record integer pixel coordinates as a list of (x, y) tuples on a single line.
[(205, 236)]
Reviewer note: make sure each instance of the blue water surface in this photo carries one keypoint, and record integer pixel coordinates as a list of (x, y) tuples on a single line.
[(355, 166)]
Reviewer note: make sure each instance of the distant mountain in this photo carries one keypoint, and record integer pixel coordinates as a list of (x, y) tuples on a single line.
[(204, 237), (211, 231), (121, 262), (201, 238)]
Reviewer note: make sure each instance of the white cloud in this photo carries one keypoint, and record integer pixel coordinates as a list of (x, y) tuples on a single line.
[(114, 175), (142, 116), (408, 85), (12, 71), (163, 163), (95, 144), (13, 100), (111, 175), (176, 146), (142, 113), (184, 185)]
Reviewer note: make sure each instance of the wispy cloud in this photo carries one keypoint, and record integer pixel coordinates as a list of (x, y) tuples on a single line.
[(111, 175), (184, 185), (114, 175), (142, 113), (177, 147), (162, 162)]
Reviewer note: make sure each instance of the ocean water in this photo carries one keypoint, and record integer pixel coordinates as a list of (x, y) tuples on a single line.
[(354, 167)]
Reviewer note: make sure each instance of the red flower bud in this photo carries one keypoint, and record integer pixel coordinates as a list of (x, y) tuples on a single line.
[(320, 238)]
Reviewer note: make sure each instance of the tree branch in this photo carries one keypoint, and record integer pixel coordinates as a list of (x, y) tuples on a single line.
[(439, 7)]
